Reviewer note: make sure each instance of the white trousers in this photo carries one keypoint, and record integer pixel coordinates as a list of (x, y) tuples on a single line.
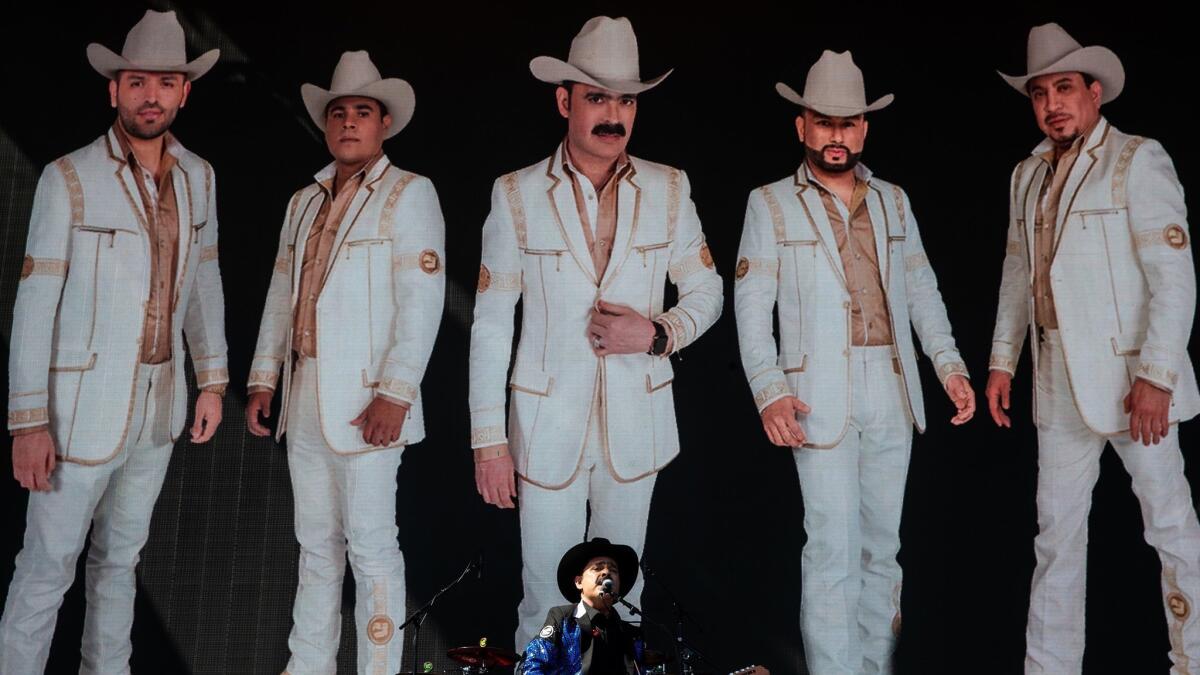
[(116, 499), (853, 495), (1068, 466), (553, 521), (344, 504)]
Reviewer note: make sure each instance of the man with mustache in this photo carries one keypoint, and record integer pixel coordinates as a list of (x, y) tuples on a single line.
[(120, 266), (839, 252), (587, 636), (1099, 271), (586, 239), (351, 317)]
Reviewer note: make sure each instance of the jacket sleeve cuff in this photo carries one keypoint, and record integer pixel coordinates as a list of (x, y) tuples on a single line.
[(768, 387), (1157, 375), (400, 394), (488, 427), (1004, 358), (950, 363), (264, 373), (26, 418), (679, 326)]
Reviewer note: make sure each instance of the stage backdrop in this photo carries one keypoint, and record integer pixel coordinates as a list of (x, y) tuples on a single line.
[(218, 575)]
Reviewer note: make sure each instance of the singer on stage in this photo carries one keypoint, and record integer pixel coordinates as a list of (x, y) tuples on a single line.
[(587, 636)]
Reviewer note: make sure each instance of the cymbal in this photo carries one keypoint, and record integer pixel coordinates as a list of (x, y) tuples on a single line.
[(482, 656)]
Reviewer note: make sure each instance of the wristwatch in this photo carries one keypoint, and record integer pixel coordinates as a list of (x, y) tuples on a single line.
[(658, 345)]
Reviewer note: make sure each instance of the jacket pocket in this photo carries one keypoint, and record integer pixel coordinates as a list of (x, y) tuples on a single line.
[(661, 374), (71, 360), (793, 362), (1129, 343), (531, 381)]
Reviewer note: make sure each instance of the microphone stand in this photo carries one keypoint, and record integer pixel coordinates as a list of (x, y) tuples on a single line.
[(685, 652), (418, 617)]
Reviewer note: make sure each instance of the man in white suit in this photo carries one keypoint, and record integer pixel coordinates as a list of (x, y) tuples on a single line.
[(587, 238), (120, 266), (1099, 272), (838, 251), (351, 317)]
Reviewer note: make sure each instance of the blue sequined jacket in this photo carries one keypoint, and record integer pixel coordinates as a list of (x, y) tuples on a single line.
[(563, 644)]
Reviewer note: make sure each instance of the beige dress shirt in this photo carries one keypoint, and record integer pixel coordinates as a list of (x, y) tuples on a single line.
[(870, 323)]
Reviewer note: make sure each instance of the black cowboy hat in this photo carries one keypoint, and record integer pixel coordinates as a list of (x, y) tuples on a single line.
[(576, 558)]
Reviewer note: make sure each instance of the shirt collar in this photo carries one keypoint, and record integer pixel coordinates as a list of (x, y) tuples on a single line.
[(563, 159), (125, 148), (368, 173), (585, 609)]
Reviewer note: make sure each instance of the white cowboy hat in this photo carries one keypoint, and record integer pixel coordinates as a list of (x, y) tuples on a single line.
[(1052, 50), (603, 54), (834, 87), (155, 44), (356, 75)]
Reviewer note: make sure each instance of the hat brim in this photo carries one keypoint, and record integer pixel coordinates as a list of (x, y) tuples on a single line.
[(393, 92), (108, 63), (556, 71), (1099, 62), (830, 109), (573, 561)]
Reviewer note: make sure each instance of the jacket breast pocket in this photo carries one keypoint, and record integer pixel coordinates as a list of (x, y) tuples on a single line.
[(543, 264), (801, 256), (374, 256), (650, 253)]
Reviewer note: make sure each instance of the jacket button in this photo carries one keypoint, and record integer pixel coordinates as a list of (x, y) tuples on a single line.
[(846, 305)]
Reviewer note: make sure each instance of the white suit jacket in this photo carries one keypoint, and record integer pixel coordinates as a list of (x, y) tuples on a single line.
[(789, 258), (1123, 281), (380, 307), (80, 308), (534, 248)]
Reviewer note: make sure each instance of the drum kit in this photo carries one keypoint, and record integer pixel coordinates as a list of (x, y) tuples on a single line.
[(479, 660)]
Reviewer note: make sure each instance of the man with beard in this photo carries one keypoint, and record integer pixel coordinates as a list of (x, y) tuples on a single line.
[(120, 266), (1099, 272), (587, 238), (351, 317), (839, 252), (587, 636)]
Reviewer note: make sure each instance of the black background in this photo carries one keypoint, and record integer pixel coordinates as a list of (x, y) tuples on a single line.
[(218, 575)]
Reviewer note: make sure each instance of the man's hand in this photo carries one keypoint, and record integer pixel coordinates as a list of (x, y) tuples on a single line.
[(495, 480), (779, 421), (381, 421), (1149, 409), (958, 388), (208, 417), (618, 329), (33, 460), (999, 387), (259, 403)]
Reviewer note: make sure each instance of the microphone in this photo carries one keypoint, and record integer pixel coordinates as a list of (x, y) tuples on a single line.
[(606, 587)]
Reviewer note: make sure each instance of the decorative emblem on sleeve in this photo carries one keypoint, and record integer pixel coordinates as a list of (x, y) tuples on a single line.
[(48, 266), (206, 378), (1175, 236), (208, 253), (1157, 373)]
